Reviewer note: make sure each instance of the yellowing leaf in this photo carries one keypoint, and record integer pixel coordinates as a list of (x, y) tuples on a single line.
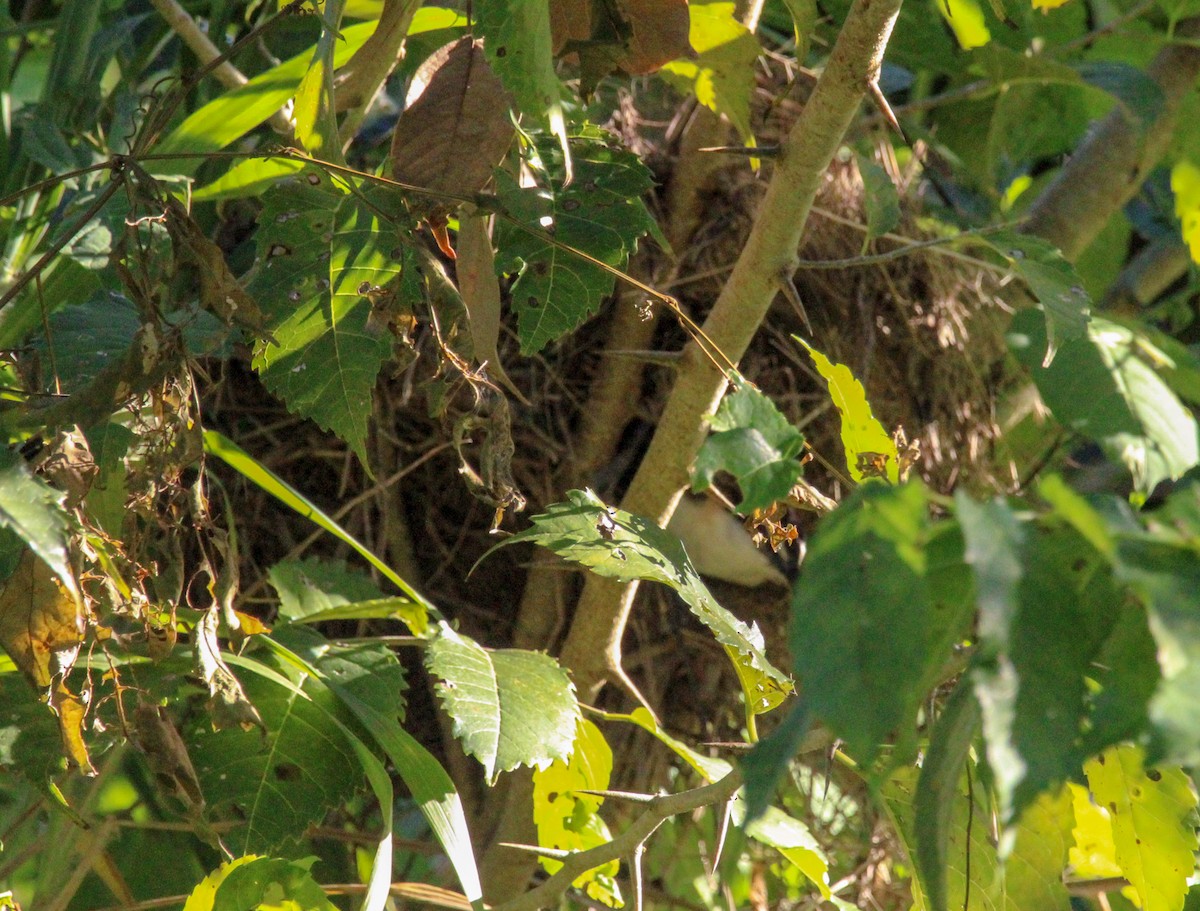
[(966, 21), (1094, 855), (870, 452), (1048, 4), (1152, 813), (205, 893), (570, 821), (1185, 184)]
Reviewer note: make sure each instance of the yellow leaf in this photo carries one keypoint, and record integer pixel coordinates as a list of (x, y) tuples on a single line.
[(966, 21), (1153, 826), (1185, 184), (870, 452), (1048, 4), (569, 821), (1094, 855), (205, 893)]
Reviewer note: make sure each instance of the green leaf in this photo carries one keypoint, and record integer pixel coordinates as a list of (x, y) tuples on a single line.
[(105, 499), (880, 198), (938, 794), (722, 74), (754, 442), (1100, 387), (862, 435), (1167, 577), (248, 178), (316, 590), (616, 544), (1153, 814), (791, 838), (280, 783), (510, 707), (264, 881), (227, 118), (316, 118), (1052, 281), (205, 893), (708, 767), (321, 252), (1135, 90), (867, 634), (600, 214), (246, 465), (1045, 612), (1030, 876), (33, 510), (570, 821)]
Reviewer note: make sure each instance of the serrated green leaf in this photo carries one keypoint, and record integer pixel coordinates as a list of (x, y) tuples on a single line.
[(321, 252), (1093, 854), (863, 436), (880, 198), (33, 511), (1030, 877), (315, 584), (270, 881), (510, 707), (600, 214), (205, 893), (722, 74), (1153, 822), (1052, 281), (937, 791), (1100, 387), (611, 542), (570, 821), (753, 441)]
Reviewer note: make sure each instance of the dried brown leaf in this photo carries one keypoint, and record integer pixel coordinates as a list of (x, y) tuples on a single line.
[(41, 625), (635, 36), (453, 136)]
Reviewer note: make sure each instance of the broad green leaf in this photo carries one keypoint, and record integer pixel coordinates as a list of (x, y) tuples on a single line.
[(864, 439), (880, 198), (570, 821), (316, 590), (600, 214), (791, 838), (225, 119), (1031, 875), (1052, 281), (246, 465), (34, 512), (1094, 853), (1046, 611), (616, 544), (264, 882), (1100, 386), (516, 37), (105, 500), (205, 893), (722, 74), (867, 633), (278, 784), (321, 252), (510, 707), (754, 442), (1134, 89), (708, 767), (248, 178), (1153, 813), (937, 792), (1167, 578)]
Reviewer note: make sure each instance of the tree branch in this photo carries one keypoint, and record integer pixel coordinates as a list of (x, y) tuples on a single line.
[(661, 808), (593, 646)]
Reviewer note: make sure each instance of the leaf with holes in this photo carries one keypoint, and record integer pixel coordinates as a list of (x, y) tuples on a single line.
[(599, 214), (510, 707), (614, 543), (1153, 824), (322, 255)]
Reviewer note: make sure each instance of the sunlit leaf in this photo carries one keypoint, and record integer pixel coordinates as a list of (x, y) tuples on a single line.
[(967, 21), (33, 511), (510, 707), (1185, 184), (264, 882), (1153, 814)]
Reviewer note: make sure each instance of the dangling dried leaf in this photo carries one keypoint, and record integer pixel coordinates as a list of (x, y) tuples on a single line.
[(458, 130), (70, 466), (227, 701), (634, 36), (70, 712), (220, 291), (167, 755), (660, 34), (480, 289)]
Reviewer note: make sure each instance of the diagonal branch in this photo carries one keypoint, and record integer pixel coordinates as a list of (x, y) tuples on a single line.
[(593, 646)]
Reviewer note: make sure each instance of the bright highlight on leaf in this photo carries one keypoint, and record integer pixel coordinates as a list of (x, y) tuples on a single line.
[(870, 452), (1153, 824), (1185, 184), (570, 821), (966, 21)]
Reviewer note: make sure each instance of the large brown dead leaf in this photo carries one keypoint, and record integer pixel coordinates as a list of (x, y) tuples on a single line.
[(453, 136)]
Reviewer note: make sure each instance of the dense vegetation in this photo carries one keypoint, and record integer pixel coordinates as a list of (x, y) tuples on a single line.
[(362, 358)]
